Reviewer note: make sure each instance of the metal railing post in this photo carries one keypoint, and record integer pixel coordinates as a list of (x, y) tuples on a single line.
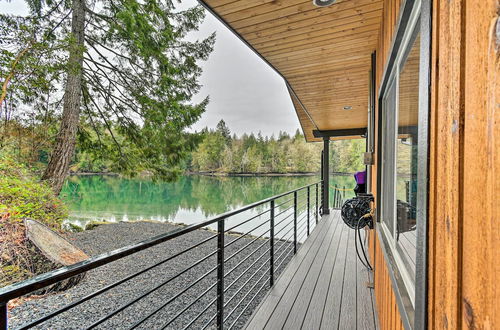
[(308, 208), (220, 274), (326, 175), (3, 316), (316, 205), (271, 242), (294, 222), (335, 196)]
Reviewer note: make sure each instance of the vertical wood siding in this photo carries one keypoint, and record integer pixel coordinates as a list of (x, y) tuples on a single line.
[(463, 205), (464, 164), (481, 236), (388, 313)]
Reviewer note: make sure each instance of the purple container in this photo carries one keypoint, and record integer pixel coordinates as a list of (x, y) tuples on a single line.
[(360, 177)]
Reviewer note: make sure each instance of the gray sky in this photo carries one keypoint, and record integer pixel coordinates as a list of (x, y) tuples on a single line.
[(243, 90)]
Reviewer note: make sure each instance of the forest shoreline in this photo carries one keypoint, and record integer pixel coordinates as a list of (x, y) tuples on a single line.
[(222, 174)]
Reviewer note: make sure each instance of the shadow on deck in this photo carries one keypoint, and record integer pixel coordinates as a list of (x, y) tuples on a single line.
[(325, 286)]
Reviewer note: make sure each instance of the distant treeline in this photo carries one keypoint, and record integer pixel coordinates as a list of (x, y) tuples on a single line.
[(214, 150), (219, 151)]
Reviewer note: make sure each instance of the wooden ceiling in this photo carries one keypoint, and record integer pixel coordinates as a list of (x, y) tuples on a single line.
[(323, 53)]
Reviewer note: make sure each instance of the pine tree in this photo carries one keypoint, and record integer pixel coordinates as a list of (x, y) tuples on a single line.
[(129, 70), (223, 130)]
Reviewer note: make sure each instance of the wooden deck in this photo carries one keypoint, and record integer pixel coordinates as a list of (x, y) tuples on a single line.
[(323, 287)]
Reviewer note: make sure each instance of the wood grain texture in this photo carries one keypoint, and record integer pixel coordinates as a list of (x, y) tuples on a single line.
[(388, 312), (386, 305), (325, 291), (480, 296), (306, 44), (446, 152)]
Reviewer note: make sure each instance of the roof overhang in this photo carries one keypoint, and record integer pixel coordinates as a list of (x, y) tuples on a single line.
[(322, 53)]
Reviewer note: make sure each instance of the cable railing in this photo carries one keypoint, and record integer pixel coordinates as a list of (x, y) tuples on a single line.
[(339, 196), (214, 281)]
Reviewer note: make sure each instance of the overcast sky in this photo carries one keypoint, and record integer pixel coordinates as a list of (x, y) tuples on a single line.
[(243, 90)]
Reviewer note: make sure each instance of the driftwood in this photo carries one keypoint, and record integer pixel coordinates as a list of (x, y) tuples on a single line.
[(57, 250)]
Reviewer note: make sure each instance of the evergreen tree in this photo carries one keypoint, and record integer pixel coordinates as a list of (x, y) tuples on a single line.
[(129, 74), (223, 130)]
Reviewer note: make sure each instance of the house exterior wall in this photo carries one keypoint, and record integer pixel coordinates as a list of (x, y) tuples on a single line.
[(465, 97), (464, 156), (388, 311)]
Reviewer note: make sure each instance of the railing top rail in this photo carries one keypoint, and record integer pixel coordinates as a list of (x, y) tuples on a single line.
[(19, 289)]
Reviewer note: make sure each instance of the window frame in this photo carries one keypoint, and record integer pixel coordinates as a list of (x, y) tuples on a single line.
[(413, 308), (389, 162)]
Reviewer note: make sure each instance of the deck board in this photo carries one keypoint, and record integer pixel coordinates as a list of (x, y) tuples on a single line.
[(274, 296), (331, 310), (348, 319), (324, 286), (314, 313)]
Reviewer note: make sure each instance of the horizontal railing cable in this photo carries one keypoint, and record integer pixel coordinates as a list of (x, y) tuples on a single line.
[(249, 291), (284, 211), (245, 283), (209, 322), (245, 259), (244, 247), (246, 221), (285, 244), (290, 223), (292, 227), (284, 258), (133, 301), (200, 314), (285, 202), (198, 280), (243, 299), (247, 233), (109, 287), (190, 305)]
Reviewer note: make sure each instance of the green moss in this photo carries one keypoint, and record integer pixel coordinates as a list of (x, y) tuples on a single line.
[(22, 196), (94, 224), (74, 228)]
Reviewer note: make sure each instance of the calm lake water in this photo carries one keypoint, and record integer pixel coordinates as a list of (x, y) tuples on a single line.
[(189, 200)]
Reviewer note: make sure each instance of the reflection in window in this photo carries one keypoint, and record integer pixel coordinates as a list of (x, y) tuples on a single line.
[(407, 155), (388, 155)]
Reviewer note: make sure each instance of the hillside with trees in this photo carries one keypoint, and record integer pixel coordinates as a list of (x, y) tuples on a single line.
[(221, 152)]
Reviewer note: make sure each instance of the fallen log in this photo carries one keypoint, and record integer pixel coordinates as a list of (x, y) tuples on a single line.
[(57, 250)]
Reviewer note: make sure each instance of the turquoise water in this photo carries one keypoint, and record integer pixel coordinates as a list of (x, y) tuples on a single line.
[(189, 200)]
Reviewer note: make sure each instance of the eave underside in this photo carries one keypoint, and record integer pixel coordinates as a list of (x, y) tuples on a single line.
[(322, 53)]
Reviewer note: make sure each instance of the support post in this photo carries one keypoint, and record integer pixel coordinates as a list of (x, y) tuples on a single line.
[(294, 222), (271, 242), (220, 274), (326, 174), (308, 207), (316, 205)]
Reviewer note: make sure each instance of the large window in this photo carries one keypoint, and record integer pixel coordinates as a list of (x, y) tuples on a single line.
[(399, 158)]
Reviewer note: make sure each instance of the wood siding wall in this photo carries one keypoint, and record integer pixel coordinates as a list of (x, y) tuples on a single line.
[(463, 171), (464, 185), (388, 312)]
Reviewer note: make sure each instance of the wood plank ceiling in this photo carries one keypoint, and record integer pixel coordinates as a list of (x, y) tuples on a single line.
[(323, 53)]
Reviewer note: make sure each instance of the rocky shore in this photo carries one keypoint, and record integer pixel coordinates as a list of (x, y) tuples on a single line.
[(112, 236)]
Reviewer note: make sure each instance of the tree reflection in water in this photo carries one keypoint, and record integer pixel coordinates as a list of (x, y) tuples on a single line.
[(189, 200)]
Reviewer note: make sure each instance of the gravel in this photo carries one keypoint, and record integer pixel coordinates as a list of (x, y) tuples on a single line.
[(108, 237)]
